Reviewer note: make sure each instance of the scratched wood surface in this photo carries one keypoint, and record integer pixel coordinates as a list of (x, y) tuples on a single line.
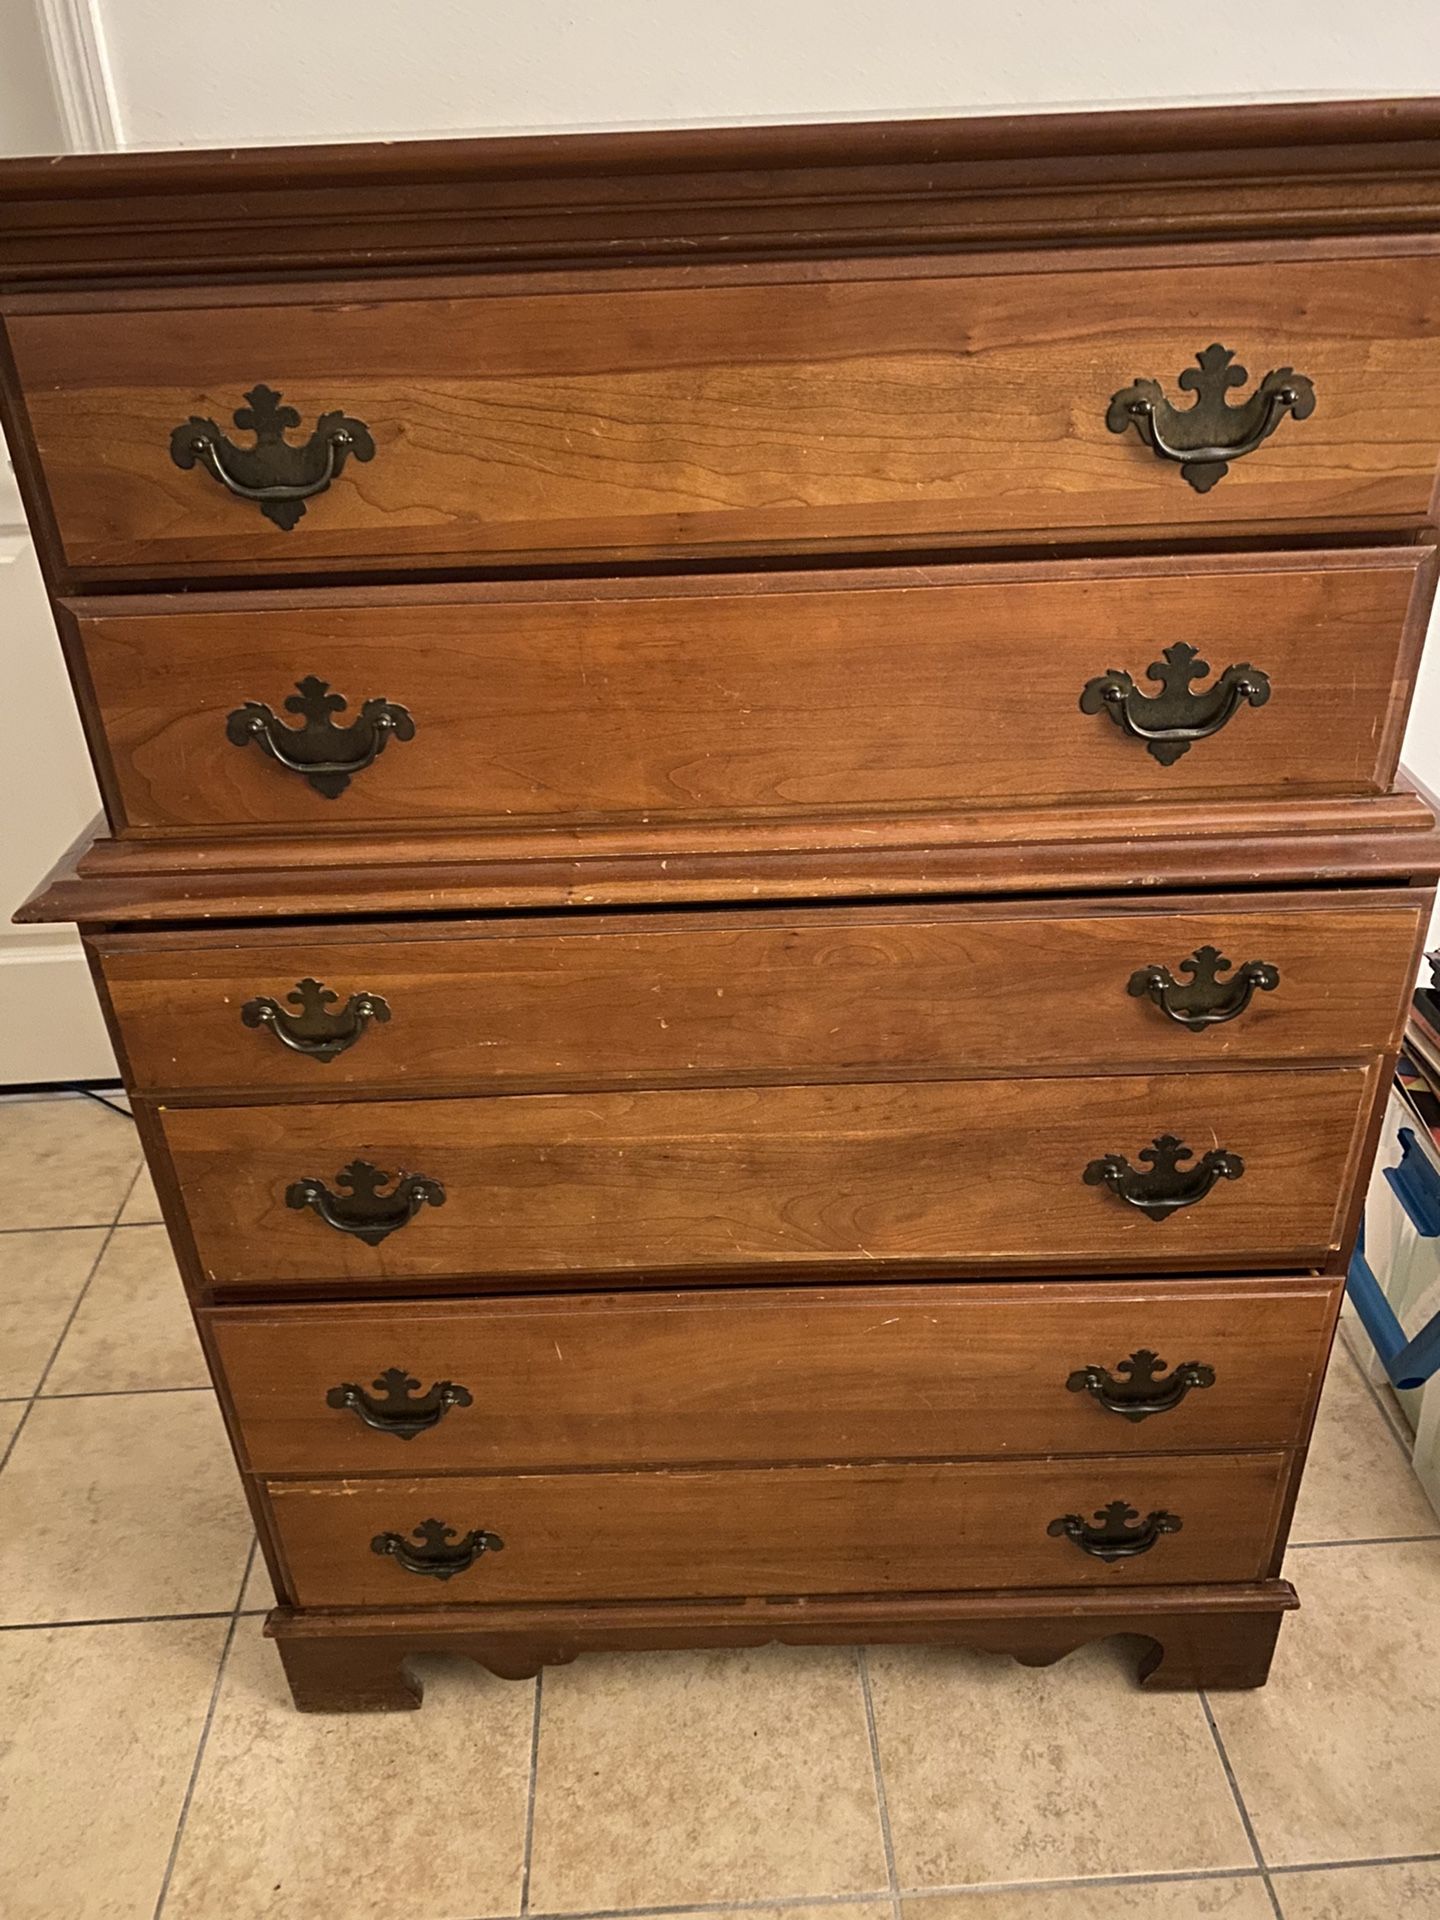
[(832, 1529), (760, 698), (825, 993), (766, 1375), (975, 1174), (707, 411)]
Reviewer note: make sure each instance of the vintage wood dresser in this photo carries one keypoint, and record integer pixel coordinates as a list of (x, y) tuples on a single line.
[(756, 897)]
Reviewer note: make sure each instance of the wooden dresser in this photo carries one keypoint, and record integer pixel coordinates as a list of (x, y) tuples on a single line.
[(756, 898)]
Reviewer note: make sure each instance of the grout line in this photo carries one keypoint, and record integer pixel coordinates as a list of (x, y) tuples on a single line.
[(1178, 1876), (530, 1795), (789, 1902), (113, 1620), (1344, 1866), (78, 1301), (235, 1618), (784, 1902), (200, 1746), (804, 1901), (127, 1393), (862, 1666), (1240, 1806), (73, 1226), (80, 1297), (245, 1575), (1376, 1540)]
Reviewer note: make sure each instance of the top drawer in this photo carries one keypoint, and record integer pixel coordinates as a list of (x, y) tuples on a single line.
[(739, 410)]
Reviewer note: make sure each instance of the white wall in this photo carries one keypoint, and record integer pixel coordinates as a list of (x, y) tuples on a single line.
[(188, 71), (50, 1025)]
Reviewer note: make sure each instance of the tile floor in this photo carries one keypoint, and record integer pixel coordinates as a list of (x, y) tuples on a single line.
[(150, 1763)]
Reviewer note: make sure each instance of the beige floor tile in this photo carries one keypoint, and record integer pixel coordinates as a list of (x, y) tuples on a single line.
[(121, 1506), (701, 1777), (297, 1815), (1358, 1484), (1338, 1757), (65, 1162), (87, 1709), (41, 1275), (134, 1328), (142, 1208), (1362, 1893), (1154, 1900), (259, 1595), (998, 1772)]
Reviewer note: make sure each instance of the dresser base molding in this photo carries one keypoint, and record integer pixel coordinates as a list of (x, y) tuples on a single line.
[(1094, 848), (1212, 1637)]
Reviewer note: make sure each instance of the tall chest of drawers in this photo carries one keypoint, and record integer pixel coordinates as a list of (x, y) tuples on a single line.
[(756, 896)]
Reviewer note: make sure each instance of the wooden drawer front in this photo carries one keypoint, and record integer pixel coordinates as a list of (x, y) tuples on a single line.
[(833, 993), (782, 1530), (974, 1174), (690, 411), (647, 703), (762, 1376)]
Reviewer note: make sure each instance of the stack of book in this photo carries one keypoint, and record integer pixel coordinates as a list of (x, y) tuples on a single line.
[(1417, 1074)]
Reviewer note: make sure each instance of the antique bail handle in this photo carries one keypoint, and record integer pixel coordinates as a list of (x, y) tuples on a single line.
[(1205, 437), (1204, 1000), (1115, 1538), (1142, 1392), (315, 1031), (396, 1404), (326, 755), (1169, 722), (278, 477), (364, 1211), (436, 1549), (1165, 1186)]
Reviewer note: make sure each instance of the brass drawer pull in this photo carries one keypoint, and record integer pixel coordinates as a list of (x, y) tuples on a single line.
[(1115, 1538), (434, 1554), (1169, 722), (1142, 1392), (1205, 1000), (364, 1210), (1205, 437), (327, 756), (278, 477), (1165, 1186), (314, 1030), (397, 1406)]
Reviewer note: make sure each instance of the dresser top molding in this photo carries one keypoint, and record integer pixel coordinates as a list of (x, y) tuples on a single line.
[(724, 193)]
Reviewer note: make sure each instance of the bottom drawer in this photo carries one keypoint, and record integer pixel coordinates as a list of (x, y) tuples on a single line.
[(746, 1534)]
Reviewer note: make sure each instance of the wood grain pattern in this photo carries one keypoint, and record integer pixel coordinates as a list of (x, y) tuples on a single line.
[(651, 702), (766, 1254), (779, 1530), (701, 414), (832, 993), (969, 1175), (762, 1376)]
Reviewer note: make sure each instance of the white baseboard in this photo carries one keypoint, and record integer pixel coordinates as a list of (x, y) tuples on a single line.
[(50, 1024)]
